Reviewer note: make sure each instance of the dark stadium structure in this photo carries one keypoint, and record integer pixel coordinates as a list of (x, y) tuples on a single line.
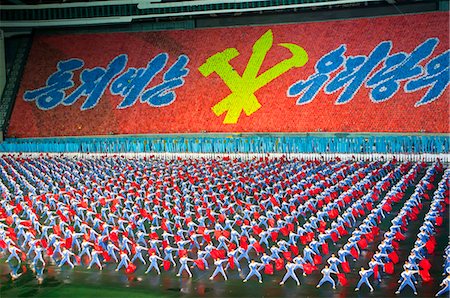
[(224, 148)]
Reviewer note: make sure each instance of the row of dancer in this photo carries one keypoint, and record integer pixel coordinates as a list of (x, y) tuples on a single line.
[(137, 223)]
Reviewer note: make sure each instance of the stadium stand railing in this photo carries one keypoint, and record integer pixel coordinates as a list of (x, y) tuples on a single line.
[(285, 144)]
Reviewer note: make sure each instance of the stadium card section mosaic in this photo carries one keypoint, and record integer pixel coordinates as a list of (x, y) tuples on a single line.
[(388, 74)]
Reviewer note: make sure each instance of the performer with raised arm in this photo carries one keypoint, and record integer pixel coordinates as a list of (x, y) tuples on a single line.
[(407, 279), (184, 265), (219, 268), (153, 259), (254, 270), (66, 254), (290, 272), (446, 284), (124, 260), (365, 274), (327, 277)]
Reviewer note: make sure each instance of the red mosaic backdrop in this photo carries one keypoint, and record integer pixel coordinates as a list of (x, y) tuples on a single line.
[(191, 111)]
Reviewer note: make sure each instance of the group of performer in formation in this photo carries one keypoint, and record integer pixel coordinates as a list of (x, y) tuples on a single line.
[(257, 217)]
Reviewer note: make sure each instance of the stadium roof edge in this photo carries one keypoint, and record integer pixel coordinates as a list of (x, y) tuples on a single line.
[(77, 4), (119, 11), (127, 19)]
